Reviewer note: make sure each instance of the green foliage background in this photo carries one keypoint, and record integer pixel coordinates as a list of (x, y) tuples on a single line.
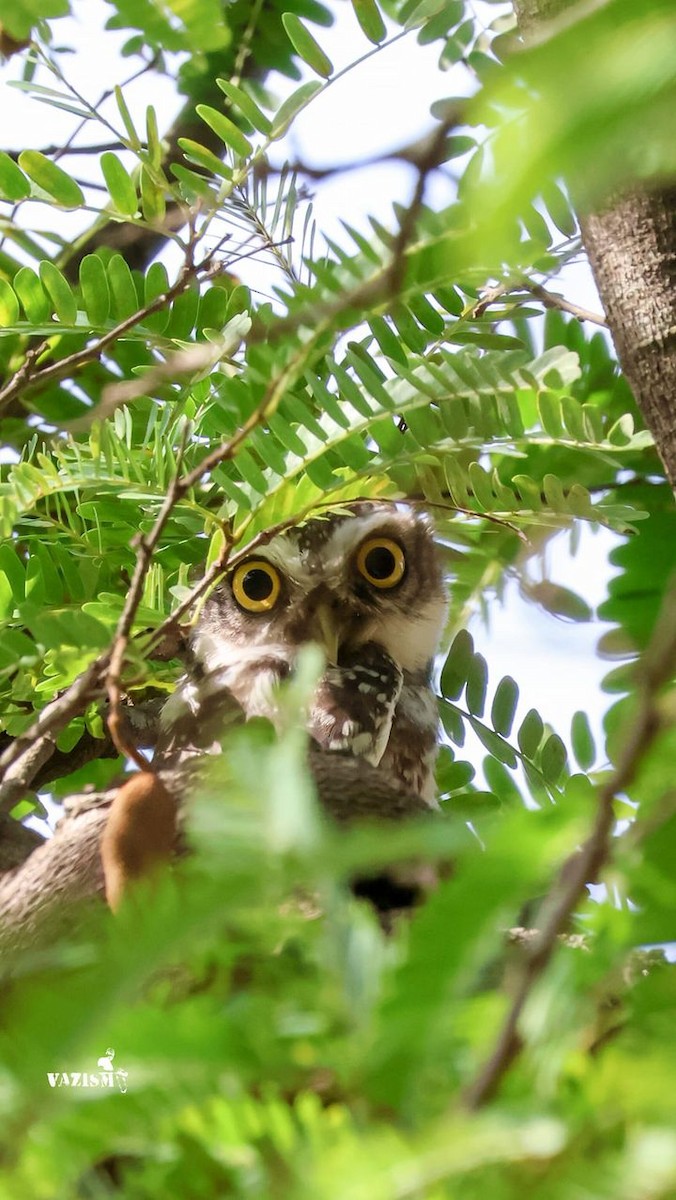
[(276, 1042)]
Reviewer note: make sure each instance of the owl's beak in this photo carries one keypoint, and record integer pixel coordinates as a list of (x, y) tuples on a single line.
[(327, 634)]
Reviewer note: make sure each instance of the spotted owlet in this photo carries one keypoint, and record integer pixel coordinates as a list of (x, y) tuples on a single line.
[(366, 585)]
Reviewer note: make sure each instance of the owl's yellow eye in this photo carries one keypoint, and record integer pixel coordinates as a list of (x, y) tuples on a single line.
[(381, 561), (256, 585)]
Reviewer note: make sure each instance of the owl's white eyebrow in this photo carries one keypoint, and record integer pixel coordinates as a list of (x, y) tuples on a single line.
[(334, 553)]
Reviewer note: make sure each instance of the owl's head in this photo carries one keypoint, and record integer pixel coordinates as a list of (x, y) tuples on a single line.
[(369, 574)]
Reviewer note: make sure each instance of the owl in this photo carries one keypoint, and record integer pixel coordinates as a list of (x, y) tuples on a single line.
[(366, 586)]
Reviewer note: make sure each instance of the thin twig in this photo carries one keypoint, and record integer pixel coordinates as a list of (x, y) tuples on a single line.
[(145, 550), (53, 151), (538, 292), (146, 546), (413, 154), (656, 668), (430, 156)]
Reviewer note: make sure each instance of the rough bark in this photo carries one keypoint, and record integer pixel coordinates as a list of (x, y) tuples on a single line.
[(43, 895), (631, 244), (632, 251)]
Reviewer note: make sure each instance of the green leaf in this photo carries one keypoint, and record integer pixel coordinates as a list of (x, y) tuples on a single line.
[(481, 486), (153, 137), (477, 684), (438, 25), (32, 295), (226, 130), (455, 147), (559, 600), (292, 106), (246, 106), (457, 666), (13, 183), (559, 208), (156, 283), (501, 781), (453, 723), (152, 198), (59, 291), (495, 744), (306, 46), (416, 14), (452, 774), (12, 574), (530, 733), (504, 705), (9, 305), (213, 308), (387, 340), (120, 279), (183, 314), (369, 17), (94, 285), (51, 179), (202, 157), (119, 184), (192, 184), (582, 740), (134, 139), (553, 758)]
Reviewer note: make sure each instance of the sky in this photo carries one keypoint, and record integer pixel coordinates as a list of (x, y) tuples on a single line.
[(379, 106)]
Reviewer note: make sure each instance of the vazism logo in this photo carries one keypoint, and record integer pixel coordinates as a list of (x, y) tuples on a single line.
[(107, 1077)]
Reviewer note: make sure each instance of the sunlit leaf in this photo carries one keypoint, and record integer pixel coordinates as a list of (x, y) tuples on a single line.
[(225, 129), (119, 184), (94, 284), (306, 45), (51, 178), (246, 105), (31, 293), (13, 183), (59, 292), (292, 106), (370, 19), (9, 305)]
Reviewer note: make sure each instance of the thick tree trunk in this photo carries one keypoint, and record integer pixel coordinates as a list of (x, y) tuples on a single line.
[(632, 251), (631, 245)]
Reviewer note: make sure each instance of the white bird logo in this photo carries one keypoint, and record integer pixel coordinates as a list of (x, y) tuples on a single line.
[(106, 1060)]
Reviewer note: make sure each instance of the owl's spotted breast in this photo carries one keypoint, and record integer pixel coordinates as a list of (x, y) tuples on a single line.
[(354, 703)]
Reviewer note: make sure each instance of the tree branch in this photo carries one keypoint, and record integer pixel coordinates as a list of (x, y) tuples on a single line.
[(26, 377), (42, 896), (656, 668), (631, 244), (538, 292)]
